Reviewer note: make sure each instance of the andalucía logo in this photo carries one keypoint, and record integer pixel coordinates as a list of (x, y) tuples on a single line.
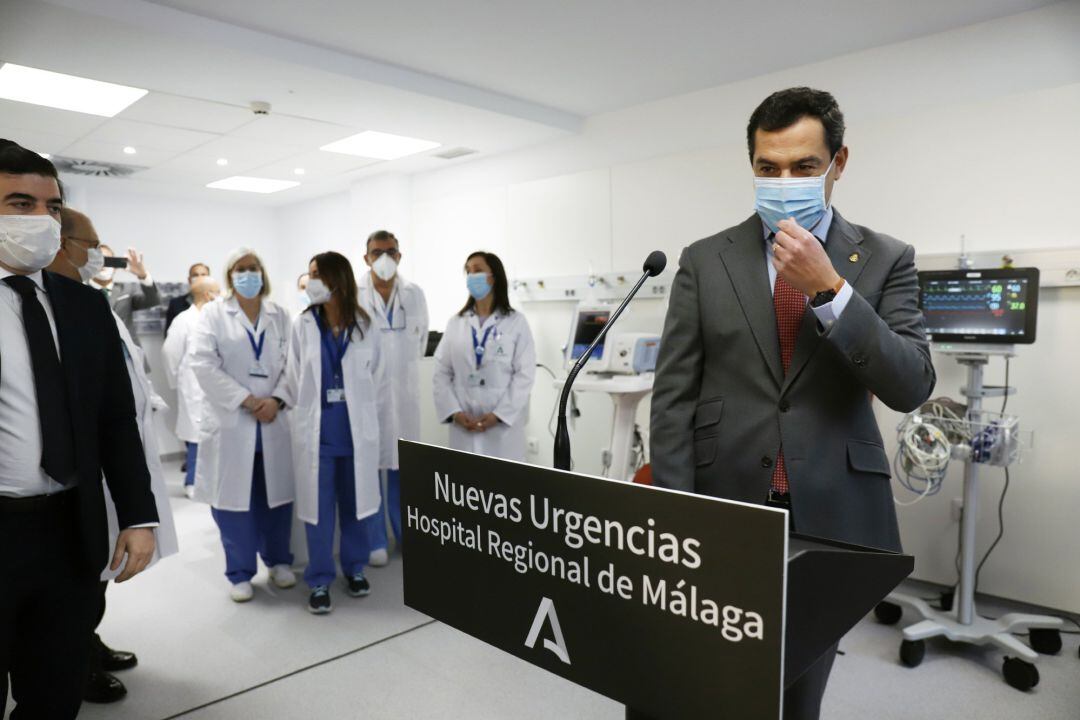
[(546, 611)]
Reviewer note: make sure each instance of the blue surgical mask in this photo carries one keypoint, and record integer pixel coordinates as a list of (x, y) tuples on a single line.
[(248, 283), (478, 285), (802, 198)]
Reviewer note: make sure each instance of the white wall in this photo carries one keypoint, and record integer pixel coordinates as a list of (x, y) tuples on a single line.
[(971, 131)]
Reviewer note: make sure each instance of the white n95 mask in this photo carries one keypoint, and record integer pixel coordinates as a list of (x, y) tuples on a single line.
[(317, 291), (28, 243), (385, 268), (95, 261)]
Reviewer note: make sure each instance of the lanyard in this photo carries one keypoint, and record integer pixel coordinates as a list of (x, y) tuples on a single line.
[(335, 348), (480, 345), (256, 347), (394, 300)]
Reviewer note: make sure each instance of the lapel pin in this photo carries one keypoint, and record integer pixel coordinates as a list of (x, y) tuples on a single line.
[(853, 257)]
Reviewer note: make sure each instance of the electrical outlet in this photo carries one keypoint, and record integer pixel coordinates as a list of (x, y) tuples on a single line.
[(957, 508), (533, 446)]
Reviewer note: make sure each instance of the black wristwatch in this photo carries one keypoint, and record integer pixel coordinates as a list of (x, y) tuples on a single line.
[(280, 402), (827, 296)]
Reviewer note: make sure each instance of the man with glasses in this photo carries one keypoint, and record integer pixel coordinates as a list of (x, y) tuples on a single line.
[(399, 310)]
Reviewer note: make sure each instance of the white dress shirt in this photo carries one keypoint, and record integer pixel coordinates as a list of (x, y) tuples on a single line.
[(20, 425)]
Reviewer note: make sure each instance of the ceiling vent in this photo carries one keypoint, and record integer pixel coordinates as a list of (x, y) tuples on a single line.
[(454, 153), (94, 168)]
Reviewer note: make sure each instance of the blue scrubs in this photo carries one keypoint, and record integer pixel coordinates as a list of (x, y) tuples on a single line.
[(260, 531), (337, 480), (190, 460)]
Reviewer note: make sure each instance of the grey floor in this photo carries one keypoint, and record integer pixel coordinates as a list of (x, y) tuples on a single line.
[(203, 657)]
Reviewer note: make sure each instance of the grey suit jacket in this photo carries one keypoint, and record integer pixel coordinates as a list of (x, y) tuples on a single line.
[(126, 298), (722, 404)]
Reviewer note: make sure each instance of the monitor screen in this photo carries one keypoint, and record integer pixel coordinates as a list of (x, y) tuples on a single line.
[(589, 325), (984, 306)]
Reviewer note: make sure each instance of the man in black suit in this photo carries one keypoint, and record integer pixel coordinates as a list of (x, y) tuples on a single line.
[(180, 303), (66, 416)]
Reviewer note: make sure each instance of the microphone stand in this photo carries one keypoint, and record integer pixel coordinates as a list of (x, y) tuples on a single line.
[(562, 434)]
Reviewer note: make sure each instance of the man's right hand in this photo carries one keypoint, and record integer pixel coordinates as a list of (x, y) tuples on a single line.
[(465, 422)]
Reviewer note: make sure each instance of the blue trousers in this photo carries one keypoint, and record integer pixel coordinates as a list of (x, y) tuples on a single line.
[(260, 531), (337, 494), (391, 504), (192, 456)]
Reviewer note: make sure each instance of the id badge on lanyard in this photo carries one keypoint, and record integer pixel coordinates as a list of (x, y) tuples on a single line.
[(258, 369), (335, 393)]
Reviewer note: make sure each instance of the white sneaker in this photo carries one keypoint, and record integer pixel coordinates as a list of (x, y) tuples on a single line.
[(189, 491), (282, 576), (378, 558), (242, 592)]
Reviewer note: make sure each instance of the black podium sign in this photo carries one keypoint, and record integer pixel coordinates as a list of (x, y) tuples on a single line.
[(668, 602)]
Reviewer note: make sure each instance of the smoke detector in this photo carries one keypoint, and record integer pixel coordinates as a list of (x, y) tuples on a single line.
[(455, 153), (94, 168)]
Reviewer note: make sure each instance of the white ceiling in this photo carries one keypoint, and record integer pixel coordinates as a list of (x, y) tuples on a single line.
[(472, 73), (591, 56)]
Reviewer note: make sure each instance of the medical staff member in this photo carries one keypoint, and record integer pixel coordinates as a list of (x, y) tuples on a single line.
[(181, 377), (399, 313), (332, 379), (485, 367), (245, 462)]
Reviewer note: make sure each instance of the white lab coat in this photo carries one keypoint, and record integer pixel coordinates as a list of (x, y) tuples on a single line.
[(507, 373), (181, 376), (302, 392), (222, 359), (146, 403), (402, 347)]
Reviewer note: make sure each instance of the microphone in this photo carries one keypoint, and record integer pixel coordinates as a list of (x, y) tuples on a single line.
[(654, 265)]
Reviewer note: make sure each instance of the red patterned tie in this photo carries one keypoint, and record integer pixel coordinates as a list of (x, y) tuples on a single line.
[(790, 304)]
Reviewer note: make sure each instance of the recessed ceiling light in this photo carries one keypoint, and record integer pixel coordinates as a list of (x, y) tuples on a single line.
[(128, 150), (65, 92), (222, 162), (252, 184), (299, 171), (382, 146)]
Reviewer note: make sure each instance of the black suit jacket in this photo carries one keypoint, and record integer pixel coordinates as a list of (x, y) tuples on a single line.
[(103, 417), (177, 305)]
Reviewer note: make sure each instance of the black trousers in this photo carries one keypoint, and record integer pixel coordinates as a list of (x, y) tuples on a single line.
[(802, 700), (47, 607)]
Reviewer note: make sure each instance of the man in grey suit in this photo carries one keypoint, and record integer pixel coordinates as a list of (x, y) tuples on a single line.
[(126, 298), (779, 333)]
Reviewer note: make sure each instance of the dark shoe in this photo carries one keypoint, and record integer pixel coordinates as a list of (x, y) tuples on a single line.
[(101, 687), (117, 660), (358, 585), (319, 602)]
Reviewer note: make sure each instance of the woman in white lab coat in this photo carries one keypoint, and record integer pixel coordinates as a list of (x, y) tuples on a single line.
[(245, 462), (332, 379), (485, 367), (181, 377), (399, 312)]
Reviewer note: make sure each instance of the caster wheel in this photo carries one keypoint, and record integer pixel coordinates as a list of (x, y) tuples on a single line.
[(912, 652), (1021, 675), (887, 613), (1045, 641)]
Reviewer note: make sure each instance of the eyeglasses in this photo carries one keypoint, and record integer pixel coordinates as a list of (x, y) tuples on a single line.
[(392, 252), (89, 243)]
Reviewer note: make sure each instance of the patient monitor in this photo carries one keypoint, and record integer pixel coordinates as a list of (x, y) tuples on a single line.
[(618, 354)]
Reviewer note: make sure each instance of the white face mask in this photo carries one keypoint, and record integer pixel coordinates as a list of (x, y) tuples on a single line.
[(317, 292), (95, 262), (106, 275), (28, 243), (385, 268)]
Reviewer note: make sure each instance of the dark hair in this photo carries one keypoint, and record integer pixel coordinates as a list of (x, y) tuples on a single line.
[(197, 265), (501, 289), (380, 236), (17, 160), (336, 272), (784, 108)]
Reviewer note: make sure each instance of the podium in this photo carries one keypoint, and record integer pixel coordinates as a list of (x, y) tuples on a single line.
[(678, 605)]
